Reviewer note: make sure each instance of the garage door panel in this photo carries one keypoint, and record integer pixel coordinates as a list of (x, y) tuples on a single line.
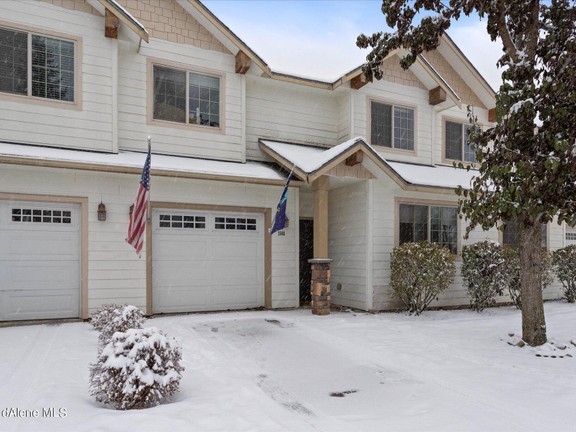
[(40, 274), (215, 265), (175, 297), (30, 304), (240, 297)]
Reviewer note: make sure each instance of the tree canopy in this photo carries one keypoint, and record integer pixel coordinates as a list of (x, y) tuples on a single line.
[(527, 161)]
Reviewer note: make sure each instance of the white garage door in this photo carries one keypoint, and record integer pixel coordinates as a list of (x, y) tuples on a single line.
[(39, 261), (207, 261)]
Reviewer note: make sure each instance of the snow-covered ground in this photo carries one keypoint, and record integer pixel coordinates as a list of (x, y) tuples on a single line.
[(292, 371)]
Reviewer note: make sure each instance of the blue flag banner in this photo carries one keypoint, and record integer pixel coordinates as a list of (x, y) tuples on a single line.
[(280, 218)]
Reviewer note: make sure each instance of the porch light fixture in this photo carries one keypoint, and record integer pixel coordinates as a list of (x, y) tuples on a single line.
[(101, 211)]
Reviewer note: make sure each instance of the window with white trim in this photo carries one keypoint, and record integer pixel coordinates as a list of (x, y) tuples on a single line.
[(233, 223), (184, 221), (511, 234), (35, 215), (35, 65), (457, 143), (391, 126), (186, 97), (435, 224)]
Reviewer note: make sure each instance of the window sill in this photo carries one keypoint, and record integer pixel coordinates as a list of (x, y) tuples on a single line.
[(33, 100)]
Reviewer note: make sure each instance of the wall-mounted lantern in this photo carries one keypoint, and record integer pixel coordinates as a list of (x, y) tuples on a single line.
[(101, 211)]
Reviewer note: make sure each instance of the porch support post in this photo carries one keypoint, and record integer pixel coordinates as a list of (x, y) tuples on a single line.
[(320, 283)]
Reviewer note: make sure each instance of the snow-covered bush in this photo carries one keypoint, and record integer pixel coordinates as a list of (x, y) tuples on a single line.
[(419, 272), (138, 368), (116, 318), (484, 272), (512, 258), (564, 263)]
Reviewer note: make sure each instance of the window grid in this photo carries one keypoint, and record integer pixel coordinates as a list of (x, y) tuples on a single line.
[(392, 126), (32, 215), (571, 236), (36, 65), (237, 224), (429, 223), (182, 221)]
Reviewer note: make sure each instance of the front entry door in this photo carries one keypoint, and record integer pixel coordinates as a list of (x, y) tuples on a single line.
[(306, 253)]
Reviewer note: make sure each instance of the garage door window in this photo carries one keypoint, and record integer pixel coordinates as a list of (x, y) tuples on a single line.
[(236, 224), (32, 215), (182, 221)]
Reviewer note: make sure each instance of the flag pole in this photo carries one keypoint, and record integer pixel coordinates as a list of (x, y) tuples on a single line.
[(149, 181)]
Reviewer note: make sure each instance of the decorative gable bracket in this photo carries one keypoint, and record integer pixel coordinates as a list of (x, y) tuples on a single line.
[(243, 62), (436, 96), (112, 23)]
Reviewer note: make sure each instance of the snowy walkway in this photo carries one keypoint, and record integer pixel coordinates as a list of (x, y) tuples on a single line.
[(291, 371)]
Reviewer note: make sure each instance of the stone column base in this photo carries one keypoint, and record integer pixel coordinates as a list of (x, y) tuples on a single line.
[(320, 286)]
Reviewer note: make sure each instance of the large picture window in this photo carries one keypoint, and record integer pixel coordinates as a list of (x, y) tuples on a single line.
[(186, 97), (392, 126), (36, 65), (457, 145), (429, 223)]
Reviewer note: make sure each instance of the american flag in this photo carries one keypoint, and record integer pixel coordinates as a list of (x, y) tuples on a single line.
[(137, 226)]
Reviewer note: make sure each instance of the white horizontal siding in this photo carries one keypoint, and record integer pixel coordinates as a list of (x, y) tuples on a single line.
[(170, 138), (288, 112), (347, 245), (26, 121), (115, 273)]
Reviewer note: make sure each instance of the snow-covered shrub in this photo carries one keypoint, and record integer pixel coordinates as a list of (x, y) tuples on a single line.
[(138, 368), (564, 263), (512, 258), (118, 318), (101, 316), (484, 272), (419, 272)]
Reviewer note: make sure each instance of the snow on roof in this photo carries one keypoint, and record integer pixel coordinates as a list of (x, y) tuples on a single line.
[(310, 159), (307, 158), (131, 160), (434, 175)]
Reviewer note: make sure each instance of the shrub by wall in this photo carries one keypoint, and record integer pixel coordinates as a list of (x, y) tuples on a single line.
[(484, 272), (564, 264), (419, 272)]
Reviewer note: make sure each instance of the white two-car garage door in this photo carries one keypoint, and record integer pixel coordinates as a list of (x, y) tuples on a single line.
[(206, 261), (39, 260)]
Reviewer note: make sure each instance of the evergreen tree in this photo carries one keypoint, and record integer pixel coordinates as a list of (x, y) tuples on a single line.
[(527, 162)]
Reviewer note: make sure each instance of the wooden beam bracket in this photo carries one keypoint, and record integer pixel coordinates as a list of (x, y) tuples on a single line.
[(436, 96), (243, 63), (112, 23)]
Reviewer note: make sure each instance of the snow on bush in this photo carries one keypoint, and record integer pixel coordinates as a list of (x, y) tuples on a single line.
[(100, 317), (485, 273), (419, 272), (512, 258), (138, 368), (564, 263), (117, 318)]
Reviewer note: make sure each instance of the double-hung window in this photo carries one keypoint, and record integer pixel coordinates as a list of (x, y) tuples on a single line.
[(36, 65), (457, 144), (429, 223), (392, 126), (186, 97)]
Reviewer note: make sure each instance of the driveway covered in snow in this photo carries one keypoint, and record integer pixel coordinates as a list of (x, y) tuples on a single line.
[(291, 371)]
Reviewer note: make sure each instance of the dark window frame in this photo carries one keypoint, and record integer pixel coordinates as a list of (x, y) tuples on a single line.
[(385, 132), (427, 224)]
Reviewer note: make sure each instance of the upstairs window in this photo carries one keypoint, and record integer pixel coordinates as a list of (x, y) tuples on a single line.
[(392, 126), (429, 223), (457, 144), (36, 65), (186, 97)]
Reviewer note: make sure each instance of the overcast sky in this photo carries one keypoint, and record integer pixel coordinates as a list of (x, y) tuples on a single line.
[(317, 38)]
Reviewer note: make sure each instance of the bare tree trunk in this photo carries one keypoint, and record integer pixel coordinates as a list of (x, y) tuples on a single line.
[(533, 321)]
